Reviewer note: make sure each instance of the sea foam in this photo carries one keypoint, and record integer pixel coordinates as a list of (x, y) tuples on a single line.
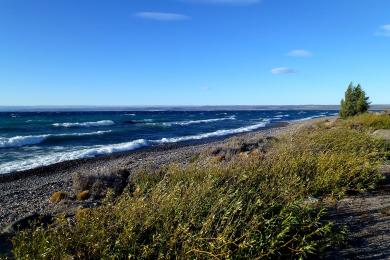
[(18, 141), (85, 124), (214, 134), (79, 153), (193, 122), (99, 150)]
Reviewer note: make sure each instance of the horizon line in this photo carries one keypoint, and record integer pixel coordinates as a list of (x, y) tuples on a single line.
[(108, 108)]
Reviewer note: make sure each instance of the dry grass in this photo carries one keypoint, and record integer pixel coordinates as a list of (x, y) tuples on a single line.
[(58, 196), (369, 121)]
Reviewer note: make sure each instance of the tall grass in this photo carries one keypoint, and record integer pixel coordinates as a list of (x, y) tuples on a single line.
[(369, 121), (249, 207)]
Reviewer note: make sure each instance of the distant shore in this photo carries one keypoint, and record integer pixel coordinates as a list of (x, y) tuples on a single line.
[(11, 109), (25, 193)]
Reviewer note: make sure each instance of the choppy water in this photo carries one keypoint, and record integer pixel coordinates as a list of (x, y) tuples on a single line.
[(33, 139)]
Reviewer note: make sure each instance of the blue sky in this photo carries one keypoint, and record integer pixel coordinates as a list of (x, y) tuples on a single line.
[(192, 52)]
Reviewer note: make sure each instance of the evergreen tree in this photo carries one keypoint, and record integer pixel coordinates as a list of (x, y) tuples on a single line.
[(355, 102)]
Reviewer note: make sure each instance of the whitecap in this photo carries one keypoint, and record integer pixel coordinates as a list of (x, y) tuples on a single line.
[(308, 118), (79, 153), (202, 121), (214, 134), (281, 116), (18, 141), (85, 124)]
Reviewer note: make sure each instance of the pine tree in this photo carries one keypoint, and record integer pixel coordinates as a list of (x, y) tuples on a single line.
[(355, 102)]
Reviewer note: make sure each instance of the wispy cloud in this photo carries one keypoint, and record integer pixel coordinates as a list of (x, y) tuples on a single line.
[(283, 70), (159, 16), (384, 30), (205, 88), (300, 53), (226, 2)]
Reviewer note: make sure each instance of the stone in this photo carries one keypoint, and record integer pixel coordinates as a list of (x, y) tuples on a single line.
[(382, 133), (83, 195), (58, 196)]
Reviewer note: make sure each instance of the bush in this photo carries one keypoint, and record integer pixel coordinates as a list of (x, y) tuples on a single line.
[(355, 102)]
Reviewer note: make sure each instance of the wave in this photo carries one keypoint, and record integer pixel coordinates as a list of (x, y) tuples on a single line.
[(192, 122), (91, 152), (85, 124), (18, 141), (214, 134), (34, 121), (99, 150), (281, 116), (129, 114), (308, 118)]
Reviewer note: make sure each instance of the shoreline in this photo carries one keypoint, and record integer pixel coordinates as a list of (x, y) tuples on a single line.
[(46, 169), (26, 193)]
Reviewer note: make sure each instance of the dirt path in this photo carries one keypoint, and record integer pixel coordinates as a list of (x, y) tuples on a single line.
[(368, 218)]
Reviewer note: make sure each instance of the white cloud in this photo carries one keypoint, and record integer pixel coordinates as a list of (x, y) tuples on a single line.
[(283, 70), (384, 30), (231, 2), (205, 88), (300, 53), (158, 16)]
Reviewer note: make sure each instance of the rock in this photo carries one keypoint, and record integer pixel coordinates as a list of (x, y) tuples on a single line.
[(26, 222), (218, 158), (243, 154), (84, 195), (310, 201), (241, 146), (382, 133), (330, 123), (137, 191), (254, 153), (385, 169), (100, 182), (58, 196)]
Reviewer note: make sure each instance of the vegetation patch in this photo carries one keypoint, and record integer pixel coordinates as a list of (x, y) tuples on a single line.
[(244, 207)]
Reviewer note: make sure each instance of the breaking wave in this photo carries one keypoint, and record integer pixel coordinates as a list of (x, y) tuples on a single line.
[(18, 141), (97, 150), (214, 134), (85, 124), (100, 150)]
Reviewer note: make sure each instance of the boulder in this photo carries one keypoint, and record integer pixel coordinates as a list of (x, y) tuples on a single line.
[(98, 183), (27, 222), (382, 133)]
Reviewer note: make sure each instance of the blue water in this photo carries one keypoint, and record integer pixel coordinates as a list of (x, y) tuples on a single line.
[(32, 139)]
